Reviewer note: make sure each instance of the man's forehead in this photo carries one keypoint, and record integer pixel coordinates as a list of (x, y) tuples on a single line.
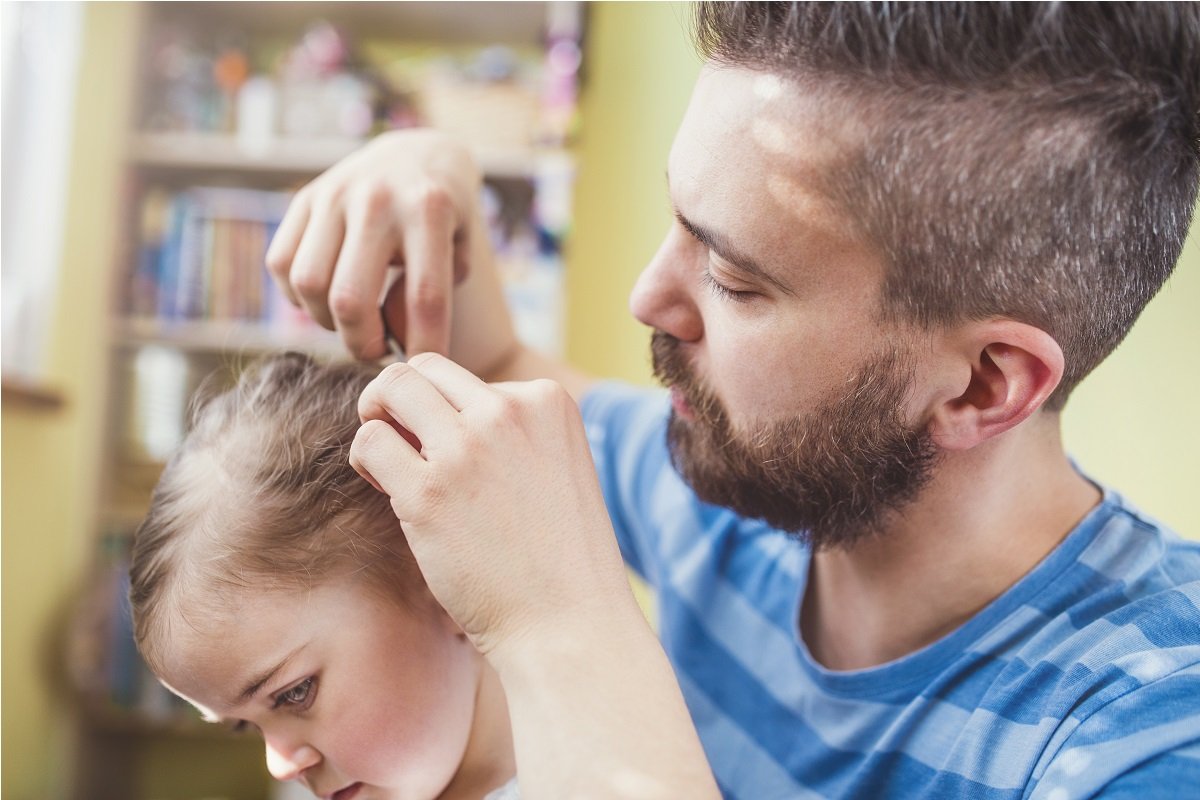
[(754, 151), (781, 112)]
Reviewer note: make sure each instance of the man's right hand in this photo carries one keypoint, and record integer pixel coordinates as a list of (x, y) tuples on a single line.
[(408, 198), (498, 497)]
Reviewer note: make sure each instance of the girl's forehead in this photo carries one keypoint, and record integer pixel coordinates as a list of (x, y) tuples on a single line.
[(221, 621), (219, 625), (212, 656), (206, 647)]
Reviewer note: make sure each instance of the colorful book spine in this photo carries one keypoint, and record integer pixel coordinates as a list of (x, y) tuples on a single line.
[(202, 256)]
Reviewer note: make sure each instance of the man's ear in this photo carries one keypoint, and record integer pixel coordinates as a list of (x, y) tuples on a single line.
[(1014, 367)]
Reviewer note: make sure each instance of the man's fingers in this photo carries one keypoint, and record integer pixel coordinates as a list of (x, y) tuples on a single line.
[(462, 267), (403, 394), (458, 385), (394, 312), (357, 282), (282, 250), (383, 457), (429, 278), (312, 268)]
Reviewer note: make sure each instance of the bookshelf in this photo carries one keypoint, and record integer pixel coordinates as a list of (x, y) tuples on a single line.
[(206, 179)]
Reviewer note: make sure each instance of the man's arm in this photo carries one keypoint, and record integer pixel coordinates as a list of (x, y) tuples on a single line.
[(482, 337)]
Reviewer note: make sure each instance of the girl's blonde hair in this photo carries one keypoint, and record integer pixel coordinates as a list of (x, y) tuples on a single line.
[(261, 496)]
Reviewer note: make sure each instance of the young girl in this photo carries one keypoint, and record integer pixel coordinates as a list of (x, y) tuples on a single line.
[(272, 588)]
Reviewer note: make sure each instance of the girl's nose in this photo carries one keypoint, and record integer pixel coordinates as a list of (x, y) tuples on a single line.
[(289, 763)]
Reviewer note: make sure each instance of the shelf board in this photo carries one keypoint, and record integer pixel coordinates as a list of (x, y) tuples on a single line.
[(228, 336), (23, 393), (211, 151), (514, 23), (223, 152), (108, 719)]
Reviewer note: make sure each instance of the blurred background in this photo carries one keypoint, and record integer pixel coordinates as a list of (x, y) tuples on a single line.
[(148, 153)]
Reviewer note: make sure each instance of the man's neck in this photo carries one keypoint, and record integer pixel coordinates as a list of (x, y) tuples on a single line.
[(989, 516)]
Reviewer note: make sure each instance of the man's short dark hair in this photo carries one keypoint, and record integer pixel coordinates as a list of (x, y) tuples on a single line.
[(1031, 161)]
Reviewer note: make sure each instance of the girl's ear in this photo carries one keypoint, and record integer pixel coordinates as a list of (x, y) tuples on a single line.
[(1012, 367)]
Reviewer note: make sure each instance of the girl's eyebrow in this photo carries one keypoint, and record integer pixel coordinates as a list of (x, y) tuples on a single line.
[(258, 682)]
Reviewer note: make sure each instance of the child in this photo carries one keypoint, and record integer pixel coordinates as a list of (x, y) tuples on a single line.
[(272, 588)]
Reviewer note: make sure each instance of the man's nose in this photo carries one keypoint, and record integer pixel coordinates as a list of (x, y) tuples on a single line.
[(288, 762), (663, 297)]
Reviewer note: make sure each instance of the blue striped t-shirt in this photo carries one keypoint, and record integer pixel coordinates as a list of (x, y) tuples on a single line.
[(1083, 679)]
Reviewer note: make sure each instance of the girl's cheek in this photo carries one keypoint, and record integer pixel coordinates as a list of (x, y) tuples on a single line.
[(394, 731)]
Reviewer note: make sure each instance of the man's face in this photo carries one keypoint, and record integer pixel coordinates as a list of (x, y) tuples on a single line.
[(370, 701), (791, 399)]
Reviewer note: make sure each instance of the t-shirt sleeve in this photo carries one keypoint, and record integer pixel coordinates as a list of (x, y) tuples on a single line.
[(626, 427), (1143, 745), (1163, 776)]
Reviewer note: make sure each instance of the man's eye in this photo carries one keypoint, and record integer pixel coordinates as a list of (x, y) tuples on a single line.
[(299, 696), (722, 291)]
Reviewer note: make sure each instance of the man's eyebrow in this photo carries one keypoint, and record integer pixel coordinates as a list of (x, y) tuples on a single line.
[(260, 680), (721, 245)]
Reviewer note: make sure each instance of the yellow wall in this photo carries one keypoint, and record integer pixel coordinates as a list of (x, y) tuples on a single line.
[(1135, 422), (639, 71), (51, 459)]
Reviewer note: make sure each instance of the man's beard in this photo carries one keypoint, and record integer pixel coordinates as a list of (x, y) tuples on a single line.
[(832, 477)]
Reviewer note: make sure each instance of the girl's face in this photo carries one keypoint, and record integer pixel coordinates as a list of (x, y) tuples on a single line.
[(354, 697)]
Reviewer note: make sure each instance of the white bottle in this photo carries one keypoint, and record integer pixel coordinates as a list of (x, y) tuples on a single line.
[(257, 110)]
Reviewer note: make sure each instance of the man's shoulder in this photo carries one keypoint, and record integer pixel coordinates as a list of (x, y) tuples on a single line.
[(1123, 614), (1149, 561), (1123, 677)]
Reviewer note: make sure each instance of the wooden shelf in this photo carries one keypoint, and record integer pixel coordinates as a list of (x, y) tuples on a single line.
[(203, 152), (228, 336), (212, 151), (23, 393), (514, 23), (183, 723)]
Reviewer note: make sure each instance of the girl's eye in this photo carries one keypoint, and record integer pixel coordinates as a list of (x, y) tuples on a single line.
[(722, 291), (299, 696)]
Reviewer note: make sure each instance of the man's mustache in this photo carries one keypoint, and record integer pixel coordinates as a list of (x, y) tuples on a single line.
[(672, 369)]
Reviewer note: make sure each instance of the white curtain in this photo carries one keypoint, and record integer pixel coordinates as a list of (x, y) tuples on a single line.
[(40, 51)]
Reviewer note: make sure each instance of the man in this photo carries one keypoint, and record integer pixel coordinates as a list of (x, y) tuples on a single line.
[(903, 235)]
